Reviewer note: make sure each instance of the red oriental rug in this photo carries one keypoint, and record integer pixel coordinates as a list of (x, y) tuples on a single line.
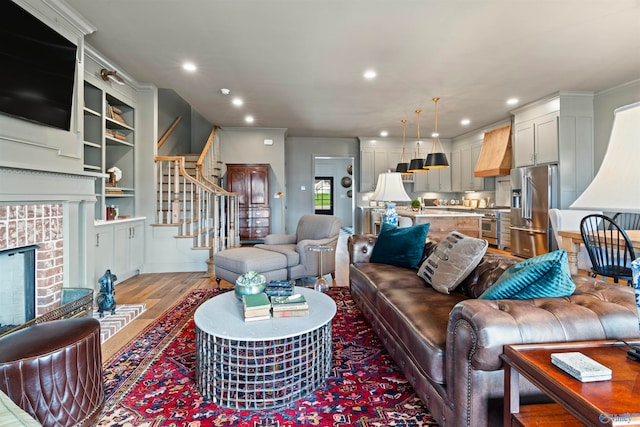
[(150, 382)]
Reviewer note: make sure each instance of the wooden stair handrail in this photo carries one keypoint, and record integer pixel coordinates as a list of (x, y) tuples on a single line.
[(203, 155), (183, 171), (207, 145), (168, 132)]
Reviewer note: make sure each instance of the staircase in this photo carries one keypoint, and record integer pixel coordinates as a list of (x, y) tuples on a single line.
[(191, 203)]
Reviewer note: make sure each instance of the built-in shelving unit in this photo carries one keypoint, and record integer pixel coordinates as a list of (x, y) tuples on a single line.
[(109, 141)]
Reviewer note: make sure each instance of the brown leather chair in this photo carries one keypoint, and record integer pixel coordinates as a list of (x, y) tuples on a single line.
[(53, 371)]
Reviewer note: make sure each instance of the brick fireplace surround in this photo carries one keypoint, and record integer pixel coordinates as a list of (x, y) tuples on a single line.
[(23, 225), (54, 211)]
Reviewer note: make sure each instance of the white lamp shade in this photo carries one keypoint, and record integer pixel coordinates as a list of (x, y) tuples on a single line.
[(390, 188), (616, 186)]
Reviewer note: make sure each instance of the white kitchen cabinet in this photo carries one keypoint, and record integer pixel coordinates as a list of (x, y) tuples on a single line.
[(462, 164), (560, 130), (374, 162), (455, 162), (421, 181), (435, 180), (119, 248), (536, 141), (367, 171)]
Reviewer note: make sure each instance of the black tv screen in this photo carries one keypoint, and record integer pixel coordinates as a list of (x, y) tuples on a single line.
[(37, 69)]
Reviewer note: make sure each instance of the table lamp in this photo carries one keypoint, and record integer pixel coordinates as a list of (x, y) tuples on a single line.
[(390, 189)]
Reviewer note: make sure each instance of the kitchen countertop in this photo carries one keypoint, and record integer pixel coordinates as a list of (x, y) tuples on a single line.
[(435, 213)]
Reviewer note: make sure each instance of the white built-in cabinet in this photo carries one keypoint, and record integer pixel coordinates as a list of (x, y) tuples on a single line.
[(537, 141), (109, 140), (119, 247)]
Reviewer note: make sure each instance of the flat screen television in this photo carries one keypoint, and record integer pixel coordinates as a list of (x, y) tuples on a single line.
[(37, 69)]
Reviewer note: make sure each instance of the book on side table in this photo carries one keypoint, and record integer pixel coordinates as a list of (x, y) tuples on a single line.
[(289, 306), (256, 307)]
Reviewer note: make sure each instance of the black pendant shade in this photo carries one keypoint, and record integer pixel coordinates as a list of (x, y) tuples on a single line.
[(436, 160), (416, 165), (402, 167)]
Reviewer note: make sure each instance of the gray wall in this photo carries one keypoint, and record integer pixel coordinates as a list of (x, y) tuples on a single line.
[(170, 107), (247, 145), (300, 155), (604, 104), (336, 167)]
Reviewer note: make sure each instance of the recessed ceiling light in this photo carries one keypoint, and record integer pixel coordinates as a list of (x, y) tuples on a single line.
[(435, 135), (384, 133), (225, 91), (370, 74), (189, 66), (465, 122), (249, 119), (512, 101), (237, 102)]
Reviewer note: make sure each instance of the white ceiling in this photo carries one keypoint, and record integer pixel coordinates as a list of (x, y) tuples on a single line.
[(298, 64)]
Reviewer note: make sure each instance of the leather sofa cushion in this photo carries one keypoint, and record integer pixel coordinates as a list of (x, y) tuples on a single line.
[(486, 274), (419, 317), (369, 278)]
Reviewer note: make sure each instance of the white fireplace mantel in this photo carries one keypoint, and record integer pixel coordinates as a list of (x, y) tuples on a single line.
[(76, 194)]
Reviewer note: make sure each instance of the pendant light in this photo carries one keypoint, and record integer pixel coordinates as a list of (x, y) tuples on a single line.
[(436, 159), (403, 166), (417, 164)]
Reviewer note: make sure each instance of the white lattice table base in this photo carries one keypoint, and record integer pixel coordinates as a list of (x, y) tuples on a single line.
[(265, 364), (262, 374)]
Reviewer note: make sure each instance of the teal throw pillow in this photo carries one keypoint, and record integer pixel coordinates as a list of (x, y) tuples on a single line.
[(401, 247), (544, 276)]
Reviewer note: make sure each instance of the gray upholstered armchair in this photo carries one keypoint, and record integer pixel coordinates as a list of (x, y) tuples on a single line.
[(312, 230)]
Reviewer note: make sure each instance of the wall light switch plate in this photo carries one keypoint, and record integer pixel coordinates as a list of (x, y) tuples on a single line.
[(303, 188), (268, 142)]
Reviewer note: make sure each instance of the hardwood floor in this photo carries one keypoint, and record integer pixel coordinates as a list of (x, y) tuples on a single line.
[(159, 291)]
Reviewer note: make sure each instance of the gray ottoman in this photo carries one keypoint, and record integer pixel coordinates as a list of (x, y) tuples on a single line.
[(231, 263)]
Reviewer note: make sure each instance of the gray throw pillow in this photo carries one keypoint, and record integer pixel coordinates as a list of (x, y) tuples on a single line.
[(452, 261)]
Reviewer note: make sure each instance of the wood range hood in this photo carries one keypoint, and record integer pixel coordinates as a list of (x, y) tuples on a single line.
[(495, 155)]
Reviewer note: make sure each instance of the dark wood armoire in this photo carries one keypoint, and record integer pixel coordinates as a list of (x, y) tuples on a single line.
[(251, 182)]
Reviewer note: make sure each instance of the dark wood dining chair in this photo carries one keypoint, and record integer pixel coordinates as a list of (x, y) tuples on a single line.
[(608, 246), (627, 220)]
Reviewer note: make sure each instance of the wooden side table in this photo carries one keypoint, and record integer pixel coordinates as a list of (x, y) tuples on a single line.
[(601, 403)]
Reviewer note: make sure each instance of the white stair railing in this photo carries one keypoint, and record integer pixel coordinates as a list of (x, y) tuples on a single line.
[(201, 210)]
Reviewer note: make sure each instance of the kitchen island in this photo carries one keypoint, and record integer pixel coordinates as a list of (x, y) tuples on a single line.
[(443, 221)]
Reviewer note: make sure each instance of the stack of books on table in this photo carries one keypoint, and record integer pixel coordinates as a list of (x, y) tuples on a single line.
[(289, 306), (256, 307)]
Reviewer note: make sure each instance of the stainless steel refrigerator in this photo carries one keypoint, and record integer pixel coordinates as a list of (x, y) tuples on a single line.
[(535, 191)]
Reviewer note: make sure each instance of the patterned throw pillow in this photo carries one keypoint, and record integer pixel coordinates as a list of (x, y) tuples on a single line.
[(544, 276), (452, 261), (401, 247)]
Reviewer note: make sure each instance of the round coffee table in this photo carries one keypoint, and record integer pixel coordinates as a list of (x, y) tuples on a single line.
[(264, 364)]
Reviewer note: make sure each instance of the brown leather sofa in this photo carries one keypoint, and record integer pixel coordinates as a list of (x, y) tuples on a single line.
[(448, 346)]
